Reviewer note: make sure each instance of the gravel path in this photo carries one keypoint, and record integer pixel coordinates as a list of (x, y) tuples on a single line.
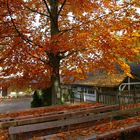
[(14, 105)]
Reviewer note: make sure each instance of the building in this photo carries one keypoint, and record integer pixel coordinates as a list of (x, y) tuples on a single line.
[(105, 84)]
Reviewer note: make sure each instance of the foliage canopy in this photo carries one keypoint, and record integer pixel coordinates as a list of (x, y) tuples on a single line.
[(42, 39)]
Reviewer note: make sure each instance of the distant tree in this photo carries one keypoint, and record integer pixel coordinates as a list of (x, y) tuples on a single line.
[(4, 91)]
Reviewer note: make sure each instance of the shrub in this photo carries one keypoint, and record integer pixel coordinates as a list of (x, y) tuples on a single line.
[(37, 101), (42, 97)]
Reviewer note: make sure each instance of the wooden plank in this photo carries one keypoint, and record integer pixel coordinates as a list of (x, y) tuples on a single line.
[(6, 119), (58, 116), (69, 137), (47, 113), (127, 96), (94, 136), (45, 108), (53, 124), (117, 131), (70, 121)]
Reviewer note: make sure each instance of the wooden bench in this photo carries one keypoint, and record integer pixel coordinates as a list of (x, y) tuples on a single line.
[(66, 122), (93, 136), (55, 115), (58, 115), (43, 114), (57, 120)]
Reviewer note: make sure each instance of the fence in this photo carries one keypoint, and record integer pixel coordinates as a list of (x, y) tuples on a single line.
[(122, 98)]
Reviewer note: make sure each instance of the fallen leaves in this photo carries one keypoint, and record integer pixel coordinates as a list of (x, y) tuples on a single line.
[(42, 110), (103, 128), (98, 128), (3, 134)]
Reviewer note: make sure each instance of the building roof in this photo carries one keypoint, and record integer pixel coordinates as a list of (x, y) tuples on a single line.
[(109, 80), (135, 70)]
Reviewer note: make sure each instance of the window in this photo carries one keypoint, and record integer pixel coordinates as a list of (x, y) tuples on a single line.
[(91, 91)]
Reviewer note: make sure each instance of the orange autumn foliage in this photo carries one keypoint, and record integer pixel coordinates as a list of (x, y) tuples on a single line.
[(41, 40)]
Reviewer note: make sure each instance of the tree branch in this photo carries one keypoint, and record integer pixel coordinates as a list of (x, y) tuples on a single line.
[(70, 53), (100, 17), (47, 7), (42, 60), (35, 11), (19, 33), (61, 7)]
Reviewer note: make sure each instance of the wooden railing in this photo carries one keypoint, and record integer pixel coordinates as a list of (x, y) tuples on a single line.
[(122, 98)]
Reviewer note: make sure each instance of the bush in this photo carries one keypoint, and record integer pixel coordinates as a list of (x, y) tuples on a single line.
[(37, 101), (41, 98), (46, 96)]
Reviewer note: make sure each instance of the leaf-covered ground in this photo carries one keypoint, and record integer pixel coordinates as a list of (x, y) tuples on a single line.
[(99, 128)]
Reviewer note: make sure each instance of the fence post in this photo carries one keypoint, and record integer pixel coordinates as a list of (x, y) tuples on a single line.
[(134, 97), (97, 96), (116, 100), (71, 93), (119, 98)]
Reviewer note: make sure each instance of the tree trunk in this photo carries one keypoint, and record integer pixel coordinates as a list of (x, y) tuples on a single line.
[(54, 17), (54, 59), (4, 91), (55, 80), (55, 89)]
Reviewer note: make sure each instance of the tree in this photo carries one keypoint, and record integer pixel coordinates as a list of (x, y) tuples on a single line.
[(43, 39)]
